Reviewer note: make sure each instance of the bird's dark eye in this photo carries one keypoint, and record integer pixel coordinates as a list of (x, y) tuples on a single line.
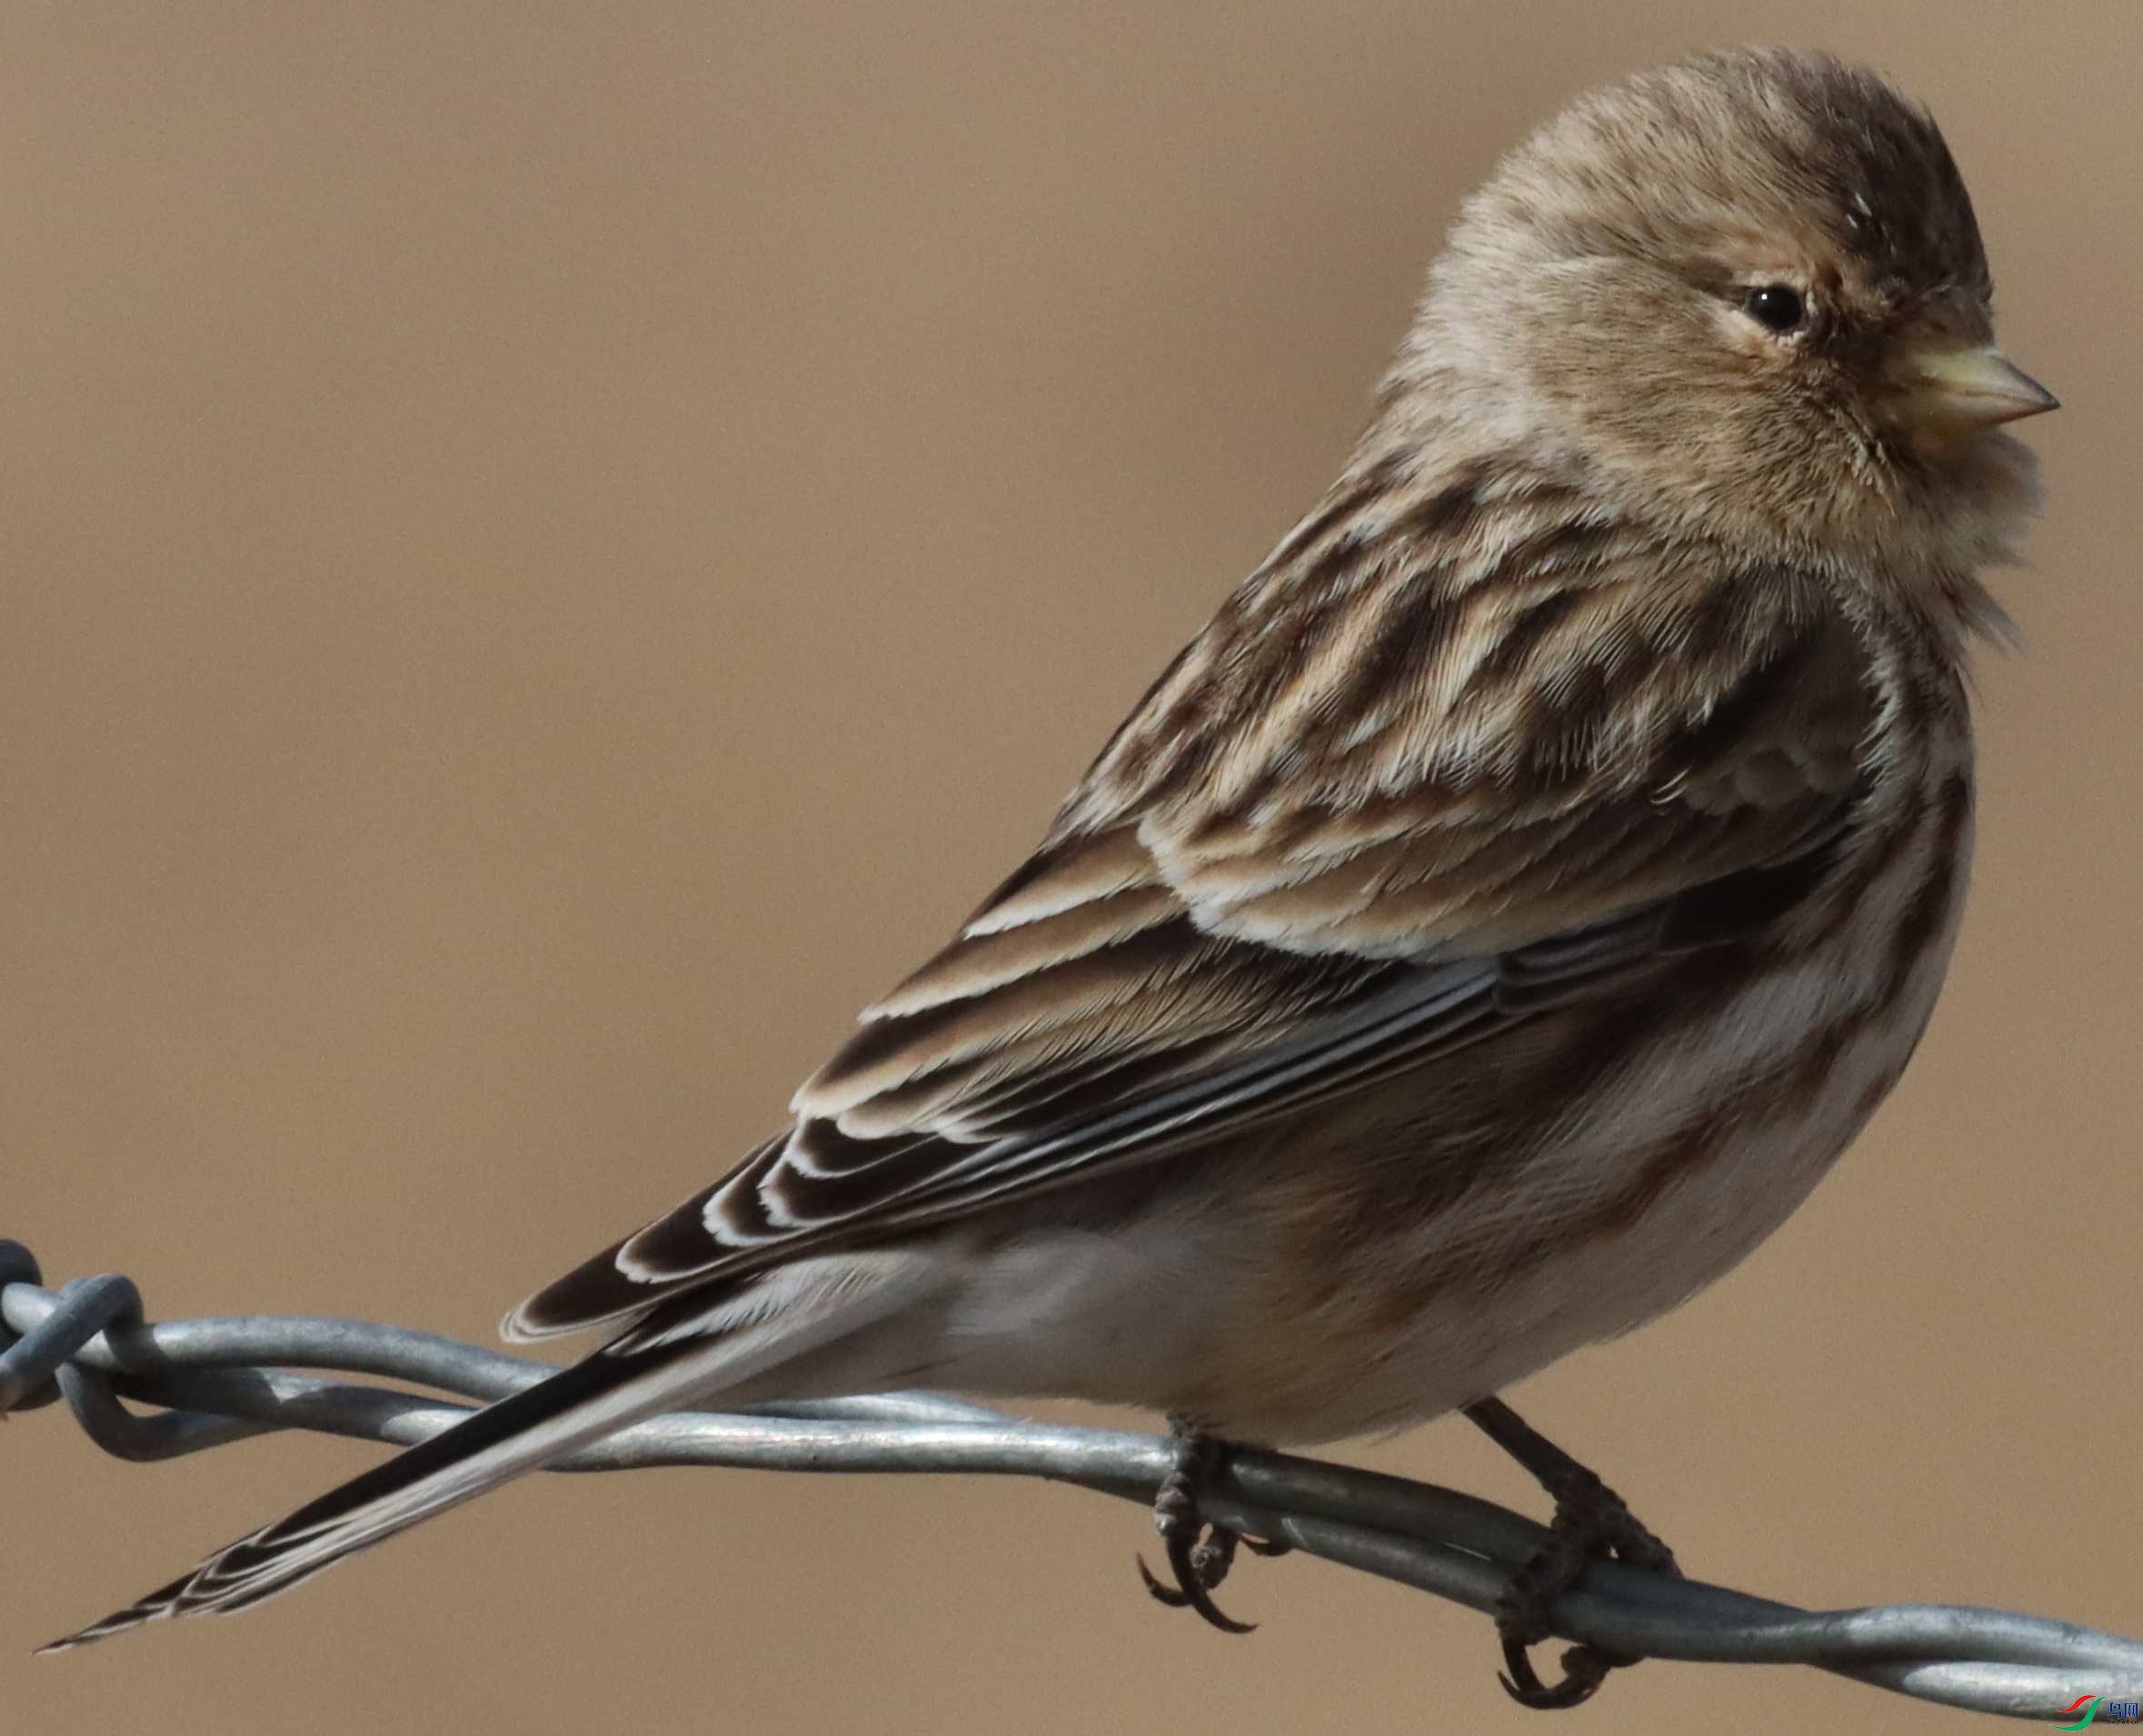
[(1777, 307)]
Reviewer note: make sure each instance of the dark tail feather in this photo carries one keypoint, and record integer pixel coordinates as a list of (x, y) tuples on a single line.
[(544, 1422)]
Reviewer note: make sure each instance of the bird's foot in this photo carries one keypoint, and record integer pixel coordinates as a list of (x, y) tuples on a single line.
[(1591, 1524), (1200, 1553)]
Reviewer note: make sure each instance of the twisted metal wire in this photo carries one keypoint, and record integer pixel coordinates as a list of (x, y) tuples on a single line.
[(221, 1380)]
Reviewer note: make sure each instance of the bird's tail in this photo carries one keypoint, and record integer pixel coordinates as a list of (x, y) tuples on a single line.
[(772, 1335), (544, 1422)]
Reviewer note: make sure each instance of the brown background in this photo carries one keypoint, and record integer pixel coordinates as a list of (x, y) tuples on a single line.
[(551, 551)]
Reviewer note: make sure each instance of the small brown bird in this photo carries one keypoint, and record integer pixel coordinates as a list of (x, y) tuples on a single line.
[(1485, 932)]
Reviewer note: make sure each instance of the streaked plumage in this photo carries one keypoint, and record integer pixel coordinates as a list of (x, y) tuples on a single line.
[(1490, 928)]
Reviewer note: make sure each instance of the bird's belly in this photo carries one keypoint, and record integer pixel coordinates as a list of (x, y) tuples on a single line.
[(1657, 1188)]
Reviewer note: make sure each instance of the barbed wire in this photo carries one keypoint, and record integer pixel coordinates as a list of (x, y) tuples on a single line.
[(217, 1380)]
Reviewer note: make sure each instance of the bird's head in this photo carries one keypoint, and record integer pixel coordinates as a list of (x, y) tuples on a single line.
[(1751, 288)]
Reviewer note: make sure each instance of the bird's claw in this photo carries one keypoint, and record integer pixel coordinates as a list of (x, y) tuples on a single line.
[(1595, 1525), (1200, 1553), (1591, 1524), (1584, 1668)]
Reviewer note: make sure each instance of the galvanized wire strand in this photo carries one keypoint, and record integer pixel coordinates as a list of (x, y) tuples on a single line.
[(215, 1381)]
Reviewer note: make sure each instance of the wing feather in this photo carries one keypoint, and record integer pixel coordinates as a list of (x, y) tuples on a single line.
[(1172, 969)]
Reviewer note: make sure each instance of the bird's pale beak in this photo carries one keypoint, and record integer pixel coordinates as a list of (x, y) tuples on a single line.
[(1954, 391)]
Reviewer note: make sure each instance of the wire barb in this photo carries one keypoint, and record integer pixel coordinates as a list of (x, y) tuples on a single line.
[(215, 1381)]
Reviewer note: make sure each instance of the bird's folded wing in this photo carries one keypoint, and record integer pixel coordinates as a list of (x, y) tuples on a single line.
[(1163, 975)]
